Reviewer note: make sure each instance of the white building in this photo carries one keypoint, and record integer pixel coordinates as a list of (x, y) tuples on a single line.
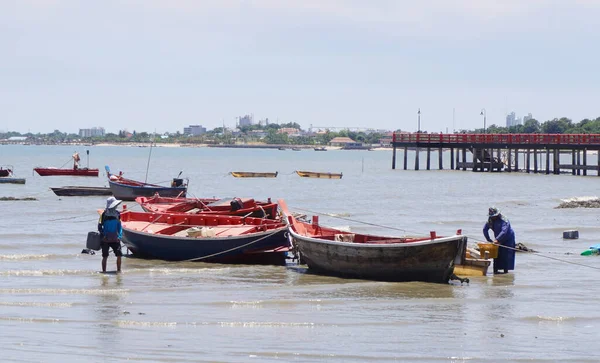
[(246, 120), (194, 130), (93, 132)]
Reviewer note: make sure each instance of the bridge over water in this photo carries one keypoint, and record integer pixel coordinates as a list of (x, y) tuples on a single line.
[(540, 153)]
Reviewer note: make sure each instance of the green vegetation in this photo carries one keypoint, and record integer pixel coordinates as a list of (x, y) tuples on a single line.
[(271, 134)]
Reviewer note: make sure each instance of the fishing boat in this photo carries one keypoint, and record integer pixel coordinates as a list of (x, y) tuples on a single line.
[(341, 253), (7, 177), (473, 264), (296, 149), (225, 206), (76, 170), (206, 238), (322, 148), (128, 189), (313, 174), (251, 174), (81, 191)]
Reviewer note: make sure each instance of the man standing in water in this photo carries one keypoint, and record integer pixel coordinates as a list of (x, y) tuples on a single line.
[(111, 231), (503, 236)]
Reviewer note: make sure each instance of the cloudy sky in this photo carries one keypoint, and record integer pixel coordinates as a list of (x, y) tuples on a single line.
[(160, 65)]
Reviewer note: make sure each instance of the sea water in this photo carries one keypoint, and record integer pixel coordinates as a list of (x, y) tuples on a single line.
[(56, 307)]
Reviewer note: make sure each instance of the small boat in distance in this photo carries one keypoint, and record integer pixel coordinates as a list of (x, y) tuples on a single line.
[(6, 176), (313, 174), (281, 148), (296, 149), (128, 189), (251, 174), (80, 191), (383, 258), (74, 171), (322, 148)]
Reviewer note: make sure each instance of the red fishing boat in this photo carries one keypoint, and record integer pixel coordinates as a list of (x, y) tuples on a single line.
[(206, 238), (74, 171), (5, 171), (225, 206)]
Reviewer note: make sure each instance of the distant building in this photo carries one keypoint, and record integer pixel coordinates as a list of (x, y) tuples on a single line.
[(93, 132), (513, 120), (246, 120), (290, 131), (341, 141), (194, 130)]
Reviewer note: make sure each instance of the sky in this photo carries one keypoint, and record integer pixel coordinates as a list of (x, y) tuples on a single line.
[(161, 65)]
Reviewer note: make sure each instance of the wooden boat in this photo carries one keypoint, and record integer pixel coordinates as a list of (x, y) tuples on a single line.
[(251, 174), (320, 148), (296, 149), (226, 206), (74, 171), (312, 174), (6, 176), (50, 171), (128, 189), (341, 253), (81, 191), (206, 238), (11, 180)]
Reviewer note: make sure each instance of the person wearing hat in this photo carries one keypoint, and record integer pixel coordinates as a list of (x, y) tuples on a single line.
[(111, 231), (504, 236)]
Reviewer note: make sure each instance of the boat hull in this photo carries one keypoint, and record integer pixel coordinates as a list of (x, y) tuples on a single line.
[(430, 262), (312, 174), (248, 174), (239, 249), (5, 180), (130, 192), (68, 172), (77, 191)]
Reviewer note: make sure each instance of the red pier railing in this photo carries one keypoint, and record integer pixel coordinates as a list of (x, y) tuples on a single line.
[(511, 139)]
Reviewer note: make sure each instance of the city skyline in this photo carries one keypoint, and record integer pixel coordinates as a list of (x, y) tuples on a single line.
[(162, 65)]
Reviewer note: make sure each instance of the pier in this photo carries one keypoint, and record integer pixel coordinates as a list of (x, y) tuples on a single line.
[(540, 153)]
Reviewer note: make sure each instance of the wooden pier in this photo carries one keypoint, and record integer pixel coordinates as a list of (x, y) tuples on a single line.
[(540, 153)]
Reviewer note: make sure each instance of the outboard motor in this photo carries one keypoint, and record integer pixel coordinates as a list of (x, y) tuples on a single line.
[(236, 204)]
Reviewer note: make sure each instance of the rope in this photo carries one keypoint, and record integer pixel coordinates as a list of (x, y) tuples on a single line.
[(231, 249), (539, 254), (471, 237)]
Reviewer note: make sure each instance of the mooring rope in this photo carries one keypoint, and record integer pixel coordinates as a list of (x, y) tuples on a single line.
[(471, 237), (536, 253)]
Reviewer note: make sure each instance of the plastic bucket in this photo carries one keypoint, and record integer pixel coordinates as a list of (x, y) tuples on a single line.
[(491, 249), (94, 239)]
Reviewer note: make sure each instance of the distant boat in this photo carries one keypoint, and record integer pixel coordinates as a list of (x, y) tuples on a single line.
[(313, 174), (296, 149), (128, 189), (81, 191), (280, 148), (74, 171), (320, 148), (6, 176), (251, 174)]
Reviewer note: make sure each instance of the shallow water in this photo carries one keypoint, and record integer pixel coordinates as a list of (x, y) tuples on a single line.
[(55, 306)]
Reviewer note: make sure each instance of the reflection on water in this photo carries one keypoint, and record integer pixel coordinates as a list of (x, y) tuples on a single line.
[(109, 308)]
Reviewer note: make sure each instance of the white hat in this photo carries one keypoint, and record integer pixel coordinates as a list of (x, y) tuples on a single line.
[(112, 202)]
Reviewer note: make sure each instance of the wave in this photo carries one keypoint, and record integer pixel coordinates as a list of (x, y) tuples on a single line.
[(46, 272), (28, 257), (559, 319), (36, 304), (580, 199), (16, 291)]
